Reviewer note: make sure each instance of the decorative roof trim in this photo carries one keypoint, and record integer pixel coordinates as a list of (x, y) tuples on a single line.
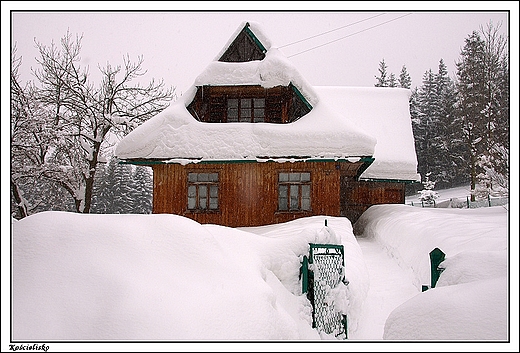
[(254, 38), (366, 160)]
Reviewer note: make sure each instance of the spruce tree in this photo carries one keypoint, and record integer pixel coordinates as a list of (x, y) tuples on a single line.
[(404, 78), (471, 88), (450, 148), (425, 123), (123, 186), (142, 191), (382, 79)]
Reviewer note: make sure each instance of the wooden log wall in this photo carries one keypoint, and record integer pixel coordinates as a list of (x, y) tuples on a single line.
[(358, 196), (248, 192)]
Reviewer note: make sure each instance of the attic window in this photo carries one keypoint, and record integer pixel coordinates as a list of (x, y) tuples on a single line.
[(248, 110), (203, 191), (294, 192)]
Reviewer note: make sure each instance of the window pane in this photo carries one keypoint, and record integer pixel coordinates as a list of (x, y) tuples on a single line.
[(282, 204), (294, 176), (245, 113), (203, 203), (232, 103), (213, 191), (306, 191), (192, 191), (232, 115), (245, 103), (213, 203), (306, 204), (213, 177), (259, 119), (203, 177), (282, 191), (294, 197), (192, 203), (283, 177), (282, 197), (259, 113), (192, 176), (203, 196), (306, 176)]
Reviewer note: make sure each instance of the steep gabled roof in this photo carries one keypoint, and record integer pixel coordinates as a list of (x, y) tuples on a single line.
[(245, 47)]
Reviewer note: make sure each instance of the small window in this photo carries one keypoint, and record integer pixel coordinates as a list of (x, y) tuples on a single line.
[(202, 191), (294, 192), (246, 110)]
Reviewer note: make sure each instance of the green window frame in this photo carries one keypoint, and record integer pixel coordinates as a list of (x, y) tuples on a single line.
[(203, 193), (294, 191)]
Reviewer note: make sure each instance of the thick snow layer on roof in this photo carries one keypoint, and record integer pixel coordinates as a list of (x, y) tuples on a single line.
[(174, 134), (274, 70), (383, 113)]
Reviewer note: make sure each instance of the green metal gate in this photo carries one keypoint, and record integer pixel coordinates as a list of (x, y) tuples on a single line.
[(322, 271)]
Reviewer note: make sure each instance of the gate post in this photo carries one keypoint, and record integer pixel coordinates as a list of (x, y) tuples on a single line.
[(436, 257)]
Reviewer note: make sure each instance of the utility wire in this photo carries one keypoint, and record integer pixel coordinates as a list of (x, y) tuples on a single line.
[(350, 35), (333, 30)]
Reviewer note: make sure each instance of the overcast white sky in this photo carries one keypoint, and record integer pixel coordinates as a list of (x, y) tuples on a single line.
[(177, 46)]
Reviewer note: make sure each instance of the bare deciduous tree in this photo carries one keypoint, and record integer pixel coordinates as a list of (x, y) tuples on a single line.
[(83, 117)]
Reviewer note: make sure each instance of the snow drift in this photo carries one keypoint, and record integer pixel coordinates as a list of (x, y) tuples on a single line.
[(470, 300), (164, 277)]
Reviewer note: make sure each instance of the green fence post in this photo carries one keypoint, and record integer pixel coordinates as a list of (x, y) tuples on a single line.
[(436, 257), (305, 274)]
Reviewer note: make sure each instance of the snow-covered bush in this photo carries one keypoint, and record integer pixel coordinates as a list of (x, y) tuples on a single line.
[(427, 195)]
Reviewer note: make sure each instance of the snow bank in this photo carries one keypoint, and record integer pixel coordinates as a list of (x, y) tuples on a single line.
[(165, 277), (475, 311), (470, 300)]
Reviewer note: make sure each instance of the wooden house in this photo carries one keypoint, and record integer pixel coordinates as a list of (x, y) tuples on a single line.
[(253, 143)]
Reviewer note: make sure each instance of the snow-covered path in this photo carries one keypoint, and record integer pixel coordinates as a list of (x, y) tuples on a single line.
[(390, 286)]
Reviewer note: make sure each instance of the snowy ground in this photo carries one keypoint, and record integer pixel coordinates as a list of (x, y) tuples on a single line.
[(164, 277)]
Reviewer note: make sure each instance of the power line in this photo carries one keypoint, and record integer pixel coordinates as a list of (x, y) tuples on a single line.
[(350, 35), (333, 30)]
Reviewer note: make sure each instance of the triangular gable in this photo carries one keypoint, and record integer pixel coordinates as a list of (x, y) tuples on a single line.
[(245, 47)]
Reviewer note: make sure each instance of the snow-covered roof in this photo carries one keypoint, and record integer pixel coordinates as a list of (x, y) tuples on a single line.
[(384, 113), (344, 122), (175, 135)]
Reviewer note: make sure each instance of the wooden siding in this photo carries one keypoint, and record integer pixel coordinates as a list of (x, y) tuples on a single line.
[(357, 196), (243, 49), (248, 192)]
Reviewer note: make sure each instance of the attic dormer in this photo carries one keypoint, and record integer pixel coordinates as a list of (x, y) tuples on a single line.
[(245, 47), (250, 81)]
